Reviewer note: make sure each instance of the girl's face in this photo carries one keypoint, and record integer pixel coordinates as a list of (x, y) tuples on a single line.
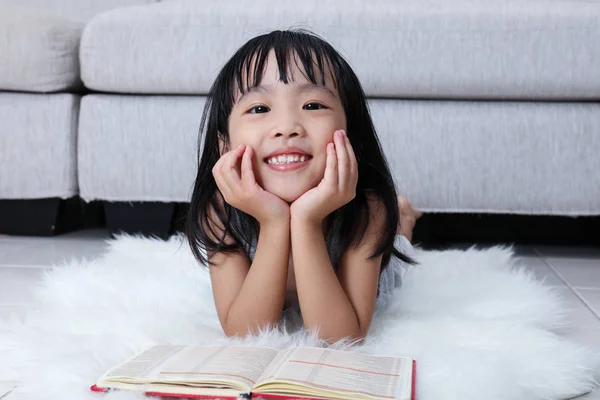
[(286, 124)]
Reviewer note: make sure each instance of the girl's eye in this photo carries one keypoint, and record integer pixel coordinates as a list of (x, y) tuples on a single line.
[(258, 110), (314, 106)]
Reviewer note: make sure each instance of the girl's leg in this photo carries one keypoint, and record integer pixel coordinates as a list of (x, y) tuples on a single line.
[(408, 217), (392, 276)]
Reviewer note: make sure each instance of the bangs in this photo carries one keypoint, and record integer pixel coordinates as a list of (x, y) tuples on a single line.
[(309, 53)]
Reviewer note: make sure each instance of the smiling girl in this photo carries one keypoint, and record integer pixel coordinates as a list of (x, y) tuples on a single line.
[(294, 207)]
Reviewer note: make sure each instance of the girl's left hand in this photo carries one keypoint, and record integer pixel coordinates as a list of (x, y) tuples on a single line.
[(337, 188)]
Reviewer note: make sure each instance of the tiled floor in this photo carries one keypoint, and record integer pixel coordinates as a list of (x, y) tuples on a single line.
[(576, 271)]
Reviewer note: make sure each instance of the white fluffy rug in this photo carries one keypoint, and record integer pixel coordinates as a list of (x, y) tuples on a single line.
[(479, 325)]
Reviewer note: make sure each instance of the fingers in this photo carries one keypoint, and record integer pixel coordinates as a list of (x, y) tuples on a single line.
[(347, 165), (225, 172), (352, 165), (343, 161), (352, 160), (331, 173), (248, 179), (229, 172), (231, 159)]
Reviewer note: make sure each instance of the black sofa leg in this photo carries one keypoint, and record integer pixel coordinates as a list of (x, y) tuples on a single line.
[(437, 230), (37, 217), (47, 216), (139, 218)]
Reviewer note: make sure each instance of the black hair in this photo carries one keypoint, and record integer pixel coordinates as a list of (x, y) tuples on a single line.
[(244, 71)]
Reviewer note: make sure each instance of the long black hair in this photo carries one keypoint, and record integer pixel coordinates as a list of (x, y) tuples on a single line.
[(244, 71)]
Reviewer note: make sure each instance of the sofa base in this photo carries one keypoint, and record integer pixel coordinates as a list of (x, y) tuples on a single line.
[(442, 230), (47, 216), (433, 230), (140, 218)]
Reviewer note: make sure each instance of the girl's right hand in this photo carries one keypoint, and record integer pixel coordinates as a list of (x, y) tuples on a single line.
[(240, 189)]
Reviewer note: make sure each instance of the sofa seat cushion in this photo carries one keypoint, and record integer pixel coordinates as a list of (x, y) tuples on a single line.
[(38, 145), (138, 148), (485, 49), (39, 52), (491, 156)]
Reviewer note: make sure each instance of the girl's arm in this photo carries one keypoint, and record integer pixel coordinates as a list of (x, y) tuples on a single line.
[(248, 299), (338, 305)]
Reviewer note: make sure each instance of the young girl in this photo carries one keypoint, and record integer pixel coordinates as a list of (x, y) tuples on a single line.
[(294, 207)]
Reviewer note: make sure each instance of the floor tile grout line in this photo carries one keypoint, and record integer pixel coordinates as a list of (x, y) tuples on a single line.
[(57, 263), (552, 268), (593, 254), (24, 266), (581, 298)]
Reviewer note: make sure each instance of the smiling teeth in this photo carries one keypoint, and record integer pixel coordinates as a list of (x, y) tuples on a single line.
[(286, 159)]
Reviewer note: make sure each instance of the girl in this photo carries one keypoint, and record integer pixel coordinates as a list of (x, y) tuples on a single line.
[(294, 207)]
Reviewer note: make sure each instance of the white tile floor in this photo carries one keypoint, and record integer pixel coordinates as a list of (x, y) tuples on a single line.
[(575, 270)]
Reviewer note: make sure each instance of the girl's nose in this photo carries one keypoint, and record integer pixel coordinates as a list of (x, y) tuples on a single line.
[(291, 134), (288, 126)]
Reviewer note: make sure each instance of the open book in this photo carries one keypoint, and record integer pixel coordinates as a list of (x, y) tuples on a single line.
[(232, 371)]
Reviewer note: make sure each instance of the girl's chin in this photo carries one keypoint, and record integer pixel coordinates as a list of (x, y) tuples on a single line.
[(288, 196)]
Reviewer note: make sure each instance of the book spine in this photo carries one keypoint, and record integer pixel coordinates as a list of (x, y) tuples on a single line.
[(95, 388), (184, 396), (282, 396)]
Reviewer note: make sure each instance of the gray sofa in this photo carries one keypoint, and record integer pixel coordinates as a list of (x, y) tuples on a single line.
[(482, 105)]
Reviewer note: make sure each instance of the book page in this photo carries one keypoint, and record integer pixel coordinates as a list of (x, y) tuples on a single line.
[(141, 365), (196, 364), (345, 372), (277, 363)]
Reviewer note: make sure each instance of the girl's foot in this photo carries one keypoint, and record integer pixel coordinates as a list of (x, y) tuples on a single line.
[(408, 218)]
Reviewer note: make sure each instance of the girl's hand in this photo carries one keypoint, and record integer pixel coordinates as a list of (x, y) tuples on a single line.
[(241, 190), (337, 188)]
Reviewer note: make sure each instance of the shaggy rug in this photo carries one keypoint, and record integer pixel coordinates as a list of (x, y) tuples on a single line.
[(479, 325)]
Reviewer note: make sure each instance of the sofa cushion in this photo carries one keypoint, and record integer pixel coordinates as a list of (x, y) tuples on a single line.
[(38, 144), (138, 148), (39, 52), (80, 10), (39, 41), (489, 157), (536, 49)]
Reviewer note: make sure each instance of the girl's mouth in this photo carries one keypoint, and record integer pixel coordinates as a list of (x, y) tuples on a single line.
[(287, 162)]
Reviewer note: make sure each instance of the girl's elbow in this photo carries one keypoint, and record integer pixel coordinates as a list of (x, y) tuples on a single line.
[(231, 333), (357, 338), (233, 330), (242, 331), (354, 337), (237, 331)]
